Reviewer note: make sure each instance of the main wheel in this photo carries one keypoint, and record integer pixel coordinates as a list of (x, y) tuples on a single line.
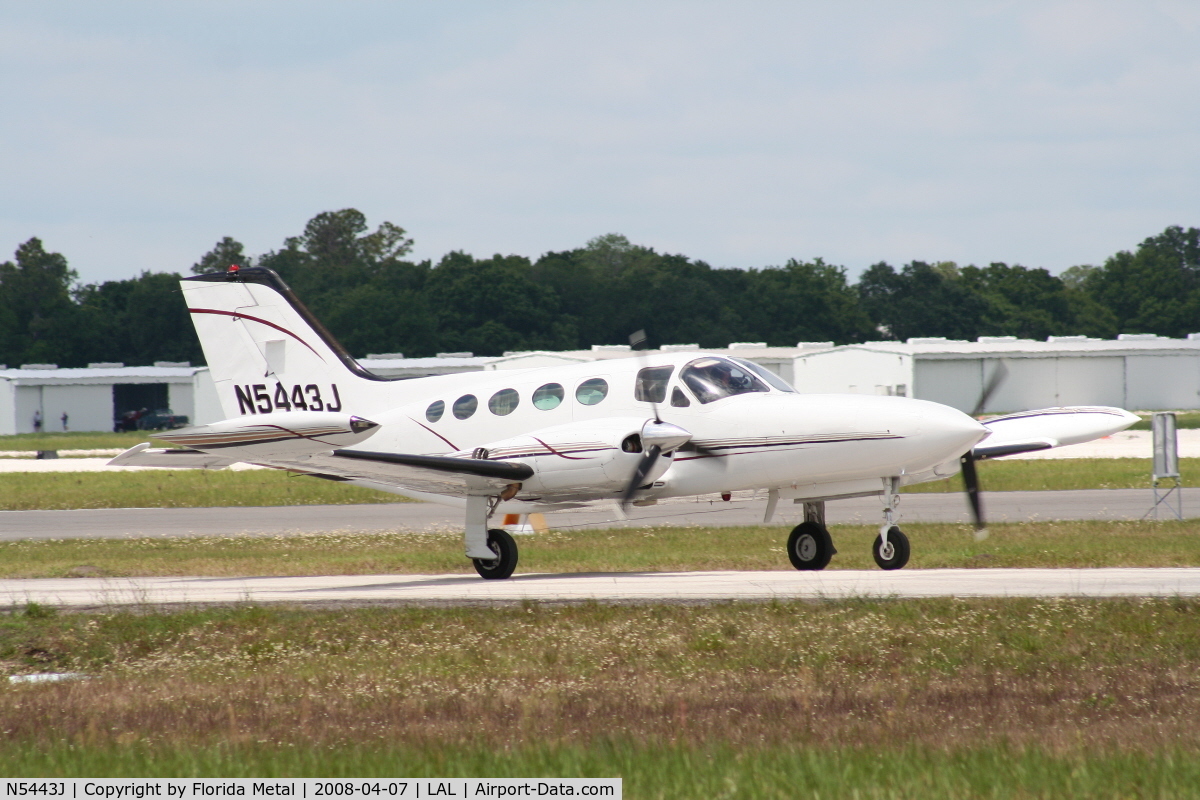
[(810, 546), (502, 544), (895, 554)]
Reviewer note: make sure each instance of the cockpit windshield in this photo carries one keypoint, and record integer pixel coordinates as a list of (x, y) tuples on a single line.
[(713, 379), (766, 374)]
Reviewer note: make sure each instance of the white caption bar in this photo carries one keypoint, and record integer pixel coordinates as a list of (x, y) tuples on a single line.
[(309, 788)]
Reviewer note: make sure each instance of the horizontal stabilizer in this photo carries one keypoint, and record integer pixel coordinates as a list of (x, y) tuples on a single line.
[(142, 455)]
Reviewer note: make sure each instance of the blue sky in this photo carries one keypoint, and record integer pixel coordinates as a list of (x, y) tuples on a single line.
[(134, 135)]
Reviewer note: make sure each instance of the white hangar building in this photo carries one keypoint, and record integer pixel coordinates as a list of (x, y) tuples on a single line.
[(93, 397), (1135, 371)]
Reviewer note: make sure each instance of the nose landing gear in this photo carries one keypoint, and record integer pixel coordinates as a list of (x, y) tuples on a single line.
[(893, 553), (890, 549)]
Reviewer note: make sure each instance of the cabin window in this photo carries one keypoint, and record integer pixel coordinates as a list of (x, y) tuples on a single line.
[(679, 399), (767, 375), (651, 385), (592, 391), (548, 396), (465, 406), (435, 410), (504, 402), (712, 379)]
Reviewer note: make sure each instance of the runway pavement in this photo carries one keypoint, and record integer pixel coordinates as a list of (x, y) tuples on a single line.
[(686, 587), (1101, 504)]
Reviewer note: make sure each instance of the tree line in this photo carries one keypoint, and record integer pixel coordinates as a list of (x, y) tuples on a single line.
[(361, 285)]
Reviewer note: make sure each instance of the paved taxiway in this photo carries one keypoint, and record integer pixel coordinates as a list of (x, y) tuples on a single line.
[(119, 523), (612, 588)]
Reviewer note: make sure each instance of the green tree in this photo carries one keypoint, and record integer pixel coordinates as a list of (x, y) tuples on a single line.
[(35, 291), (1023, 302), (801, 301), (137, 321), (225, 254), (1155, 289), (921, 300)]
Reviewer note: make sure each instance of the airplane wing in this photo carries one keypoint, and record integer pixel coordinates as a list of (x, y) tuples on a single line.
[(442, 475), (1045, 428)]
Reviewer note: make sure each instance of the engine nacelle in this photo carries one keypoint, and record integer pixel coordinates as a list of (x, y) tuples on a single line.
[(579, 460)]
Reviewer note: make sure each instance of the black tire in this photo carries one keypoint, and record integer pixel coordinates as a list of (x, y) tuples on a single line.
[(897, 552), (810, 546), (502, 544)]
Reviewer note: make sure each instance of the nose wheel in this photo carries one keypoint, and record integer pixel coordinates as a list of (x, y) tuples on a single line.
[(810, 546), (504, 546), (892, 554)]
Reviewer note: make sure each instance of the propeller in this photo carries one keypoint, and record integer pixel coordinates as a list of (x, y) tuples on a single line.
[(967, 460), (657, 438)]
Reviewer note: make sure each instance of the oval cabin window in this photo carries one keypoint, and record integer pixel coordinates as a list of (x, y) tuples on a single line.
[(504, 402), (465, 406), (435, 410), (548, 396), (591, 392)]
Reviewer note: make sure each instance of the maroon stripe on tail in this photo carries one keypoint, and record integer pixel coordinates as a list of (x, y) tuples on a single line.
[(237, 315)]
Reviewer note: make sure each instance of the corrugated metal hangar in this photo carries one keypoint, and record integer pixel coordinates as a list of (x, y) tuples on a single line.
[(93, 397), (1137, 372)]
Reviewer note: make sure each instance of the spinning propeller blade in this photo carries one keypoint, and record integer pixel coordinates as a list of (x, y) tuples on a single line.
[(639, 475), (969, 473)]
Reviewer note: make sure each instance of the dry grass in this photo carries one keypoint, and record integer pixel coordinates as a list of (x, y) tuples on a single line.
[(941, 674), (1044, 544)]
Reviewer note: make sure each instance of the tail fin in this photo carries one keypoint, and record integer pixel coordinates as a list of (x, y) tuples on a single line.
[(267, 352)]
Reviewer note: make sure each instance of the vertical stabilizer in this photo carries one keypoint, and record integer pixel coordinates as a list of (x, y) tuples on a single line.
[(268, 353)]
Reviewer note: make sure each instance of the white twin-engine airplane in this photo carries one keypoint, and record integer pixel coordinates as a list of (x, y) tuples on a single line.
[(635, 430)]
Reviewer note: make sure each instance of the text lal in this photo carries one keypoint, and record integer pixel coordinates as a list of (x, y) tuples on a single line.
[(538, 789)]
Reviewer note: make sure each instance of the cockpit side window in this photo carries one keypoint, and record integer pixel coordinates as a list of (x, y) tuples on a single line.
[(679, 399), (712, 379), (766, 374), (651, 386)]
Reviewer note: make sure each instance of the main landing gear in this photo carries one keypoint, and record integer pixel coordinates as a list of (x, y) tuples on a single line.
[(501, 566), (493, 552), (810, 547)]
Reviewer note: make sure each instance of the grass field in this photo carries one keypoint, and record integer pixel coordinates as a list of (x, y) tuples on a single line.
[(1183, 419), (1043, 544), (169, 488), (73, 440), (199, 488), (1065, 473), (921, 698)]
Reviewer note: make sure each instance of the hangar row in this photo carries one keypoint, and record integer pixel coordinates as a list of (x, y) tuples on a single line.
[(1135, 371)]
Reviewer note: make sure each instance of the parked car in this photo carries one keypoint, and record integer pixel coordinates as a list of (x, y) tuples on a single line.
[(157, 420)]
